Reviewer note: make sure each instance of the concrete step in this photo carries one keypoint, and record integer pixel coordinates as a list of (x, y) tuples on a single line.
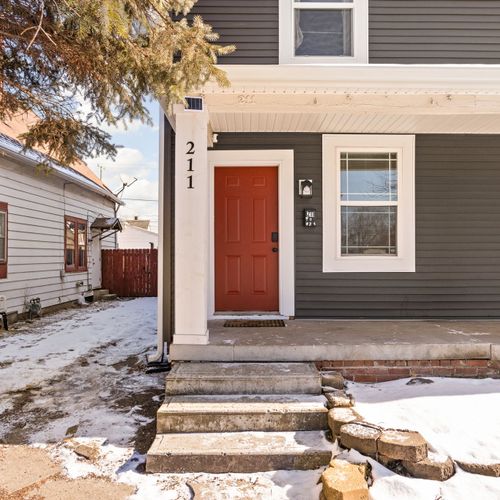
[(238, 452), (100, 292), (233, 413), (243, 378), (109, 296)]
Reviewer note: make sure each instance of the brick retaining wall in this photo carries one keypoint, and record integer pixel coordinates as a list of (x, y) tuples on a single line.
[(382, 371)]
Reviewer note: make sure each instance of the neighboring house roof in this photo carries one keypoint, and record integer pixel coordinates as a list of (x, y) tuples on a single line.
[(78, 171), (141, 223)]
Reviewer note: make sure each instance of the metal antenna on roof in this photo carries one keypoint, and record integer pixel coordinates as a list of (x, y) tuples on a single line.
[(125, 185)]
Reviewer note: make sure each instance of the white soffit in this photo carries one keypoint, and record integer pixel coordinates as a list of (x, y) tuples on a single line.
[(370, 123)]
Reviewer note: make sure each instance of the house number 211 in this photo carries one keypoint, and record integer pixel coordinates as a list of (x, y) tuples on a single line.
[(190, 151)]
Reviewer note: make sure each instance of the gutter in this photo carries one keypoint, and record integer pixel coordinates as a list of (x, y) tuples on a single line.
[(464, 78), (76, 178)]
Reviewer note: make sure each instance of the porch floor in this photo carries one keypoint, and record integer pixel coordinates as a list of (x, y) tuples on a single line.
[(314, 340)]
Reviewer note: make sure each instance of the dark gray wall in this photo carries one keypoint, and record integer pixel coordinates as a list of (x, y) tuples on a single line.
[(457, 229), (168, 234), (434, 31), (251, 25), (401, 31)]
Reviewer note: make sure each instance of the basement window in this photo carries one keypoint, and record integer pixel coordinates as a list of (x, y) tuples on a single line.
[(323, 31), (75, 245), (368, 203), (3, 239)]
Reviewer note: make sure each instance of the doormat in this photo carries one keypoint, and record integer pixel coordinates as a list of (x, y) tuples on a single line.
[(253, 323)]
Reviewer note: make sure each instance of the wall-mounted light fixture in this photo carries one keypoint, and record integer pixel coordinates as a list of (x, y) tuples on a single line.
[(305, 188)]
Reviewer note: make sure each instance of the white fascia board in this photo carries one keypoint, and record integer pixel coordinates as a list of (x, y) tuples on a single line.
[(471, 78)]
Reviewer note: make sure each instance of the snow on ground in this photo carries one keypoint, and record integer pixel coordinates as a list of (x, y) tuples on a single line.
[(82, 370), (275, 485), (80, 373), (390, 486), (458, 417)]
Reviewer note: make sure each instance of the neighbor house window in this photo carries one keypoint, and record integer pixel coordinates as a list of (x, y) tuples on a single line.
[(75, 244), (368, 203), (323, 31), (3, 239)]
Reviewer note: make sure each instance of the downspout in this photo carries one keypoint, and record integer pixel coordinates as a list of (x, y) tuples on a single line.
[(87, 232)]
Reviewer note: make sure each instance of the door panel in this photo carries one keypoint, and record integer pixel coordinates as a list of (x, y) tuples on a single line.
[(246, 215)]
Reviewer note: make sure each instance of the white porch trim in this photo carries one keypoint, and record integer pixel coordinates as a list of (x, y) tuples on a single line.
[(469, 79), (283, 159)]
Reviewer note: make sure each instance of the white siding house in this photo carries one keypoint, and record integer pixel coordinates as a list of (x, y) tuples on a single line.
[(41, 209), (134, 237)]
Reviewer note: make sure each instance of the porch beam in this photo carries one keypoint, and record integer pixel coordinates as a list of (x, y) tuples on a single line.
[(352, 103)]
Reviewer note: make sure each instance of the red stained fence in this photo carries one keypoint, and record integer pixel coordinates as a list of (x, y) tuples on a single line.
[(130, 273)]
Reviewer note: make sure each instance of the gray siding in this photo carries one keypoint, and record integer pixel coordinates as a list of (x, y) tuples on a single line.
[(168, 234), (457, 229), (250, 25), (401, 31), (434, 31)]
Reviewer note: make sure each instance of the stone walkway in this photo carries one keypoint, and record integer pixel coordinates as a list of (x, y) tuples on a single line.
[(31, 473)]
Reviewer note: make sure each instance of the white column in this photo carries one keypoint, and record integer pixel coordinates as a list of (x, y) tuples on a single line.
[(191, 227)]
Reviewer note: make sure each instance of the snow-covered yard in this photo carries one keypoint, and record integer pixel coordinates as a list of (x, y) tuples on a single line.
[(460, 418), (79, 375), (80, 372)]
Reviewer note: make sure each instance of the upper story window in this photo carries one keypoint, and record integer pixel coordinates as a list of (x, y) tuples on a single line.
[(323, 31), (75, 245), (3, 239)]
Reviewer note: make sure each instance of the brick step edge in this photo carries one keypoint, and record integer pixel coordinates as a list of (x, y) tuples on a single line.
[(386, 370)]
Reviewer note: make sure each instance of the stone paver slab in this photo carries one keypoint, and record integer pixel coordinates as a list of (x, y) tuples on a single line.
[(402, 445)]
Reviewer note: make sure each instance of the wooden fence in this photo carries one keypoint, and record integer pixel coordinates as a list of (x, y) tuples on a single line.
[(130, 273)]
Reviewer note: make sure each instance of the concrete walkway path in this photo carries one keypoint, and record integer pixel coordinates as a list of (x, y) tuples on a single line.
[(31, 473)]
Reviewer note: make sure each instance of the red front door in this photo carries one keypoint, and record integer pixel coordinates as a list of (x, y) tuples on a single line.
[(246, 257)]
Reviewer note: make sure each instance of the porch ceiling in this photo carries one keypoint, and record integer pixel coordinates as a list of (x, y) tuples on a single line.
[(420, 100), (344, 122)]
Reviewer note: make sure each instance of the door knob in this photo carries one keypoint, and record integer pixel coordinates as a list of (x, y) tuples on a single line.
[(275, 249)]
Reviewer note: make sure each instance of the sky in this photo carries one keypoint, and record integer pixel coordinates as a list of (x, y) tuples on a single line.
[(137, 157)]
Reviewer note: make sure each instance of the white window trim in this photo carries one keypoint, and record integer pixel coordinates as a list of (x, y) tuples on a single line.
[(283, 159), (359, 36), (333, 261)]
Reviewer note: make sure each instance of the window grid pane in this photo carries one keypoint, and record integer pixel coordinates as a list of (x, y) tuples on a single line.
[(321, 32), (3, 236), (369, 230), (82, 245), (368, 177), (70, 243)]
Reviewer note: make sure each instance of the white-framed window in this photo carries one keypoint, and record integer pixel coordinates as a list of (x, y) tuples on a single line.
[(323, 31), (368, 203)]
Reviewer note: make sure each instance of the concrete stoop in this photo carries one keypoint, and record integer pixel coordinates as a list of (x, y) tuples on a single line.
[(243, 378), (241, 417), (234, 413), (238, 452)]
